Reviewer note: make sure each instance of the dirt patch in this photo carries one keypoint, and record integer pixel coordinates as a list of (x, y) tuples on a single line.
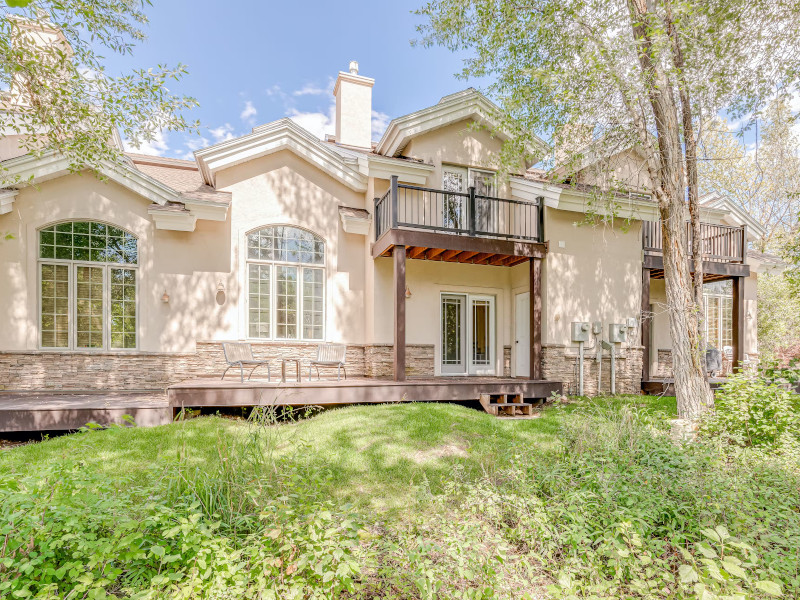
[(443, 451)]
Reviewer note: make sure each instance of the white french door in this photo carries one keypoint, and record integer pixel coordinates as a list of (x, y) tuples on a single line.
[(467, 334)]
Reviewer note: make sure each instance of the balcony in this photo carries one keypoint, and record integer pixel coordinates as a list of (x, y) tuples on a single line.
[(457, 226), (724, 249)]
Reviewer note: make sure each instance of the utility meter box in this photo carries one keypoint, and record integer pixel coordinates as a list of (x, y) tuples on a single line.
[(617, 332), (580, 332)]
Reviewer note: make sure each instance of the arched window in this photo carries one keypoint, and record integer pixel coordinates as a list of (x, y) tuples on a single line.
[(87, 286), (285, 284)]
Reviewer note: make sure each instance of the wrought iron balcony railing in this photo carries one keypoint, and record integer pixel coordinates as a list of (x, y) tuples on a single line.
[(720, 243), (458, 213)]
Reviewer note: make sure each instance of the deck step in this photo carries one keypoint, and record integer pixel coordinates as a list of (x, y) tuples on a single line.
[(507, 405)]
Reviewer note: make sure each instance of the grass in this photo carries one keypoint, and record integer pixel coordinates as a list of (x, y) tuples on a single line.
[(418, 500), (375, 455)]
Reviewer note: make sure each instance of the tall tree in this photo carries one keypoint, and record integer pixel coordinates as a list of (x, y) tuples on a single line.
[(636, 73), (765, 178), (55, 92)]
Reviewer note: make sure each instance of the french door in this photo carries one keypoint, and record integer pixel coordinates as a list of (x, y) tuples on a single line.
[(467, 334)]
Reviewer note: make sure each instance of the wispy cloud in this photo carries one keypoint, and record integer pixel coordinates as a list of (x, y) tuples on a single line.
[(158, 146), (193, 144), (311, 89), (380, 121), (222, 133), (249, 113)]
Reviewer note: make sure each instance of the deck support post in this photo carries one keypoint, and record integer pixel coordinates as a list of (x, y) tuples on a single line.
[(399, 258), (646, 320), (536, 318), (738, 323)]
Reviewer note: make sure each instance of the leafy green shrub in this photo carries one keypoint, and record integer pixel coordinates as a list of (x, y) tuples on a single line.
[(754, 410)]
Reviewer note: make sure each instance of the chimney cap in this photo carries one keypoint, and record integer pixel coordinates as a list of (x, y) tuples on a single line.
[(354, 67)]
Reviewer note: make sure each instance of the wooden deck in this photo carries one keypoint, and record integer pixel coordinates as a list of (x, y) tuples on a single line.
[(60, 411), (231, 392)]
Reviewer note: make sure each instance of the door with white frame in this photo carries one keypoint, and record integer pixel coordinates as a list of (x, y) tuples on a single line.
[(468, 334)]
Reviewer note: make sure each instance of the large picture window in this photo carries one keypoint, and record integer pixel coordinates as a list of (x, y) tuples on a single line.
[(87, 287), (286, 284)]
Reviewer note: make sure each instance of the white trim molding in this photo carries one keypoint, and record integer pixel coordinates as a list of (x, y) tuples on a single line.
[(467, 104), (175, 220), (283, 134), (7, 200)]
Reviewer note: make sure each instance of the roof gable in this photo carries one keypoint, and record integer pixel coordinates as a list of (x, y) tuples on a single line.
[(461, 106), (283, 134)]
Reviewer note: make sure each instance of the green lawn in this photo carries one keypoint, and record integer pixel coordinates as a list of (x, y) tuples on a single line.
[(429, 501), (374, 454)]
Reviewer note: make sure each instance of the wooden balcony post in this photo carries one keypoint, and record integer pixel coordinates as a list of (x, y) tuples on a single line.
[(744, 244), (399, 257), (646, 320), (536, 318), (471, 210), (393, 199), (540, 219), (376, 219), (738, 322)]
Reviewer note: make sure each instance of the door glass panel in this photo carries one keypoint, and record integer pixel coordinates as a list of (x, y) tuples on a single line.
[(123, 308), (712, 322), (452, 333), (480, 333), (258, 282), (88, 307), (726, 317), (55, 306), (485, 217), (286, 301), (453, 206)]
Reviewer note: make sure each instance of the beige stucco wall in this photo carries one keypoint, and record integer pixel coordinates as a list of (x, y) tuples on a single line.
[(462, 144), (284, 189), (180, 263), (595, 276)]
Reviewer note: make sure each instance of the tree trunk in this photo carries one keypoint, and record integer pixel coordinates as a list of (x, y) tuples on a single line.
[(691, 388)]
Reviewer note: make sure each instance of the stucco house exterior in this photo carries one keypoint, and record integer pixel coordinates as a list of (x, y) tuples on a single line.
[(412, 250)]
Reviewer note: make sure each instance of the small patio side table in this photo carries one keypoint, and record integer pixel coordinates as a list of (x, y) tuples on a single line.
[(296, 362)]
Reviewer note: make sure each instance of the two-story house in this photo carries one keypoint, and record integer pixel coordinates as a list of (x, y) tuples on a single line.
[(412, 250)]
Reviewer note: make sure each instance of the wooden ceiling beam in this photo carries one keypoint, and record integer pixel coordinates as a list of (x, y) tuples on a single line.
[(449, 255), (434, 253), (415, 252), (466, 256), (481, 258), (499, 260)]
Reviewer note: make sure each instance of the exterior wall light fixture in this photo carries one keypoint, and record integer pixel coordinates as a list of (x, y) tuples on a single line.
[(408, 292), (165, 297)]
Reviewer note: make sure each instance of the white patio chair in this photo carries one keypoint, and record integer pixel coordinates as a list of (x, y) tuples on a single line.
[(240, 354), (330, 355)]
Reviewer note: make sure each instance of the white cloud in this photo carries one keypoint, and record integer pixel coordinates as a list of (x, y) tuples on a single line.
[(310, 89), (275, 90), (318, 123), (249, 113), (192, 145), (380, 121), (222, 133), (156, 147)]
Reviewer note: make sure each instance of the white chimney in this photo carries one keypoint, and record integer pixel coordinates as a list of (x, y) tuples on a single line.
[(353, 108)]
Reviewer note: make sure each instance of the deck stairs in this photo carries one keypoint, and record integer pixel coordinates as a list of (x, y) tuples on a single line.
[(510, 406)]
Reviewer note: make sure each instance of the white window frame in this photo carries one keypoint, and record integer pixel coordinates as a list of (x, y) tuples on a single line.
[(71, 307), (273, 310)]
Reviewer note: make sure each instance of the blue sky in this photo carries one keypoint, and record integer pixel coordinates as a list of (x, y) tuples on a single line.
[(251, 63)]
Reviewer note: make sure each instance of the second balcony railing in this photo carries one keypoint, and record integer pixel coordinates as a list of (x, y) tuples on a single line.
[(458, 213), (719, 243)]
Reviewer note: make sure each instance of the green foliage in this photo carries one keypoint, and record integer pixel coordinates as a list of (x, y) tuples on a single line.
[(758, 410), (615, 510), (57, 94), (778, 316)]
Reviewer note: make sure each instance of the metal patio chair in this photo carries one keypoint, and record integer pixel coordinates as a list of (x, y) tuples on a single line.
[(330, 355), (240, 354)]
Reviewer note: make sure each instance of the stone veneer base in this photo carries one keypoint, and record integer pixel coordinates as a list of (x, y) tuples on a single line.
[(65, 371), (560, 363)]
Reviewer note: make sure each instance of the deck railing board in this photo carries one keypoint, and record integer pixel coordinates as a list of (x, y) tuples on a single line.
[(719, 243)]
